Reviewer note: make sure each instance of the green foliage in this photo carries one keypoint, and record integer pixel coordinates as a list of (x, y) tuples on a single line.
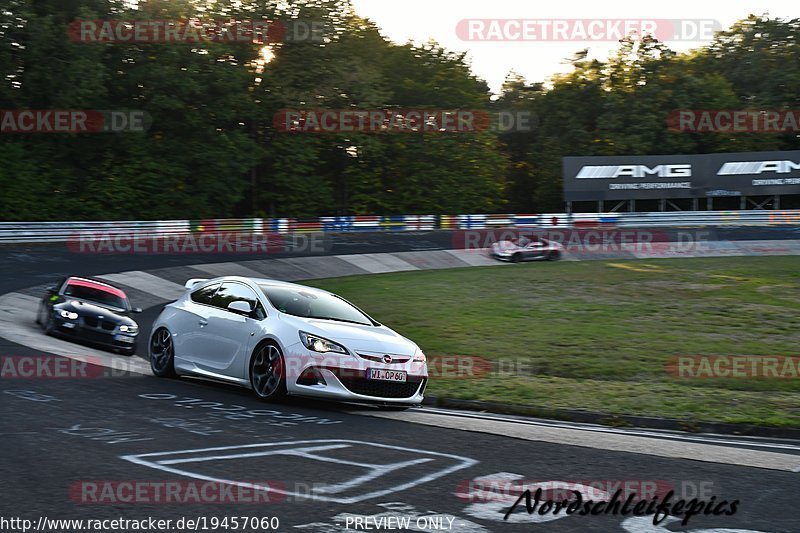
[(212, 149)]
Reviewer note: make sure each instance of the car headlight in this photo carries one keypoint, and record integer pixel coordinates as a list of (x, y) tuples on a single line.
[(419, 356), (71, 315), (128, 329), (318, 344)]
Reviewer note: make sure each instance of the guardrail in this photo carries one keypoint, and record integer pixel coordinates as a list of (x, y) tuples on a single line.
[(32, 232)]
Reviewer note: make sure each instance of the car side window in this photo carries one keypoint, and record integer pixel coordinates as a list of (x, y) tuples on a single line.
[(233, 292), (55, 289), (205, 295), (259, 313), (60, 284)]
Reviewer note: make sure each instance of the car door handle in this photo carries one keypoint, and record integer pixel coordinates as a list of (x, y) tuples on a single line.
[(203, 323)]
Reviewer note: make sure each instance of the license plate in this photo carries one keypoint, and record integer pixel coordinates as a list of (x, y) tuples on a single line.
[(386, 375), (122, 338)]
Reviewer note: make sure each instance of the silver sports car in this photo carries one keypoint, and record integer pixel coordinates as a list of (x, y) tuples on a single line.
[(281, 338), (525, 249)]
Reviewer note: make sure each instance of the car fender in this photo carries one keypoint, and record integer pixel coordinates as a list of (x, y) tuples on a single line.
[(261, 338)]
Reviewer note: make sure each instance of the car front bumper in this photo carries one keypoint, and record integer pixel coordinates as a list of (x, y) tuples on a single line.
[(75, 329), (344, 378)]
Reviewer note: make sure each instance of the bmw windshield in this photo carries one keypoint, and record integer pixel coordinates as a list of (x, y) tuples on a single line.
[(95, 295), (313, 304)]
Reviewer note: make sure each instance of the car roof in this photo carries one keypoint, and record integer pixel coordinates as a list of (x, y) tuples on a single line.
[(97, 284), (265, 281)]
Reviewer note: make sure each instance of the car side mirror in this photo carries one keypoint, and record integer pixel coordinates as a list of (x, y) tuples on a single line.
[(241, 307), (52, 288), (136, 310)]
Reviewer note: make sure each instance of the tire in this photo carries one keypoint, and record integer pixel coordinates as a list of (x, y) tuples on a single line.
[(553, 256), (49, 326), (268, 373), (162, 354), (45, 320), (516, 258)]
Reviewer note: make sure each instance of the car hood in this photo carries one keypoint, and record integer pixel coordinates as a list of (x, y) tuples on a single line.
[(355, 336), (92, 309)]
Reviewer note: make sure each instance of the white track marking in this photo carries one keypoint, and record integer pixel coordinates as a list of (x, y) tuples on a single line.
[(431, 259), (297, 449), (228, 269), (475, 257), (375, 470), (758, 442), (32, 396), (603, 440), (377, 263), (146, 282)]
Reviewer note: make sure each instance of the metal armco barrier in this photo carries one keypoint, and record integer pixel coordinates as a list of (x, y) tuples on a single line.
[(32, 232)]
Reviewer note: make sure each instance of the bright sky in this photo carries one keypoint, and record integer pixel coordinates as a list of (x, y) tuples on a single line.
[(421, 20)]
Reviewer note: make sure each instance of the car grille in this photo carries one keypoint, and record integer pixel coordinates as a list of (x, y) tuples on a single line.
[(93, 322), (382, 389), (94, 335), (378, 358)]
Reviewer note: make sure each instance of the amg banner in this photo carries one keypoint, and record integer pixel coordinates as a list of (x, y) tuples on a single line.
[(681, 176)]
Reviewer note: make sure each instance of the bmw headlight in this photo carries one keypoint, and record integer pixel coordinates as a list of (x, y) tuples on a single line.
[(318, 344), (70, 315), (128, 329), (419, 356)]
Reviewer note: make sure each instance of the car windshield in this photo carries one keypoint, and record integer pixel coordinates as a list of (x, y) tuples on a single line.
[(313, 304), (96, 295)]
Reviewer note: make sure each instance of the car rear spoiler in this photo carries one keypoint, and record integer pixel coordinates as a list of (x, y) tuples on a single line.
[(194, 281)]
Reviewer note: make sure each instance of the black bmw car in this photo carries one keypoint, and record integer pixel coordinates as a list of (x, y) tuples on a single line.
[(92, 311)]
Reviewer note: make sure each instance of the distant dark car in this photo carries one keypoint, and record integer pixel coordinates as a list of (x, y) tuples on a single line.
[(524, 249), (91, 311)]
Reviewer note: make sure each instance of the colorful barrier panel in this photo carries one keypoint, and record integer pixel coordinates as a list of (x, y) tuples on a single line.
[(23, 232)]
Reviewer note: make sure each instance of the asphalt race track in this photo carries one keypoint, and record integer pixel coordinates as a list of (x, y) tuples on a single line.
[(111, 444)]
